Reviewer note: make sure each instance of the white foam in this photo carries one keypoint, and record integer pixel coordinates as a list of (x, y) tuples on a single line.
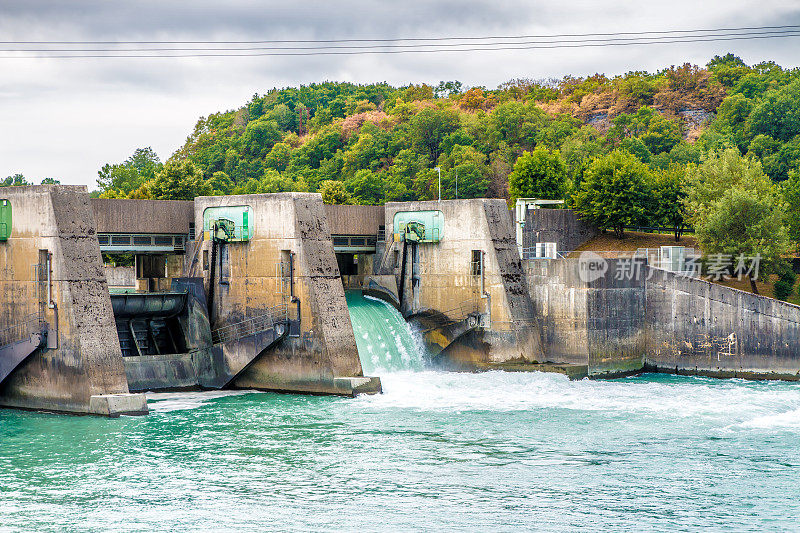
[(750, 405), (165, 402)]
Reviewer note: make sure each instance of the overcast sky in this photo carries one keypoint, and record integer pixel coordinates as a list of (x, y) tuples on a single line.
[(65, 118)]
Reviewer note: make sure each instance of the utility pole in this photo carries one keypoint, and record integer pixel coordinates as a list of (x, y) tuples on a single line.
[(439, 170)]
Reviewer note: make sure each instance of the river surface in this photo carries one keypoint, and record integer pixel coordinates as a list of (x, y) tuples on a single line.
[(437, 451)]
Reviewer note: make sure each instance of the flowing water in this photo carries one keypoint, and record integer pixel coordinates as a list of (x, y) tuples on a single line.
[(493, 451)]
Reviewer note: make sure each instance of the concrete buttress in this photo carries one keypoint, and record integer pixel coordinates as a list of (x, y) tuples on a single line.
[(51, 269)]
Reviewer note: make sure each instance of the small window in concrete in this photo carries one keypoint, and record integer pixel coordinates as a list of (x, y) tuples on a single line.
[(205, 259), (476, 263)]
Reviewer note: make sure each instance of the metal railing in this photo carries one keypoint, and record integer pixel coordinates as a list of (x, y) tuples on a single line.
[(29, 325), (278, 314)]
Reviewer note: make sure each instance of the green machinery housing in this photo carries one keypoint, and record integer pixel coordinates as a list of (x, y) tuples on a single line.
[(413, 228), (5, 220), (418, 226)]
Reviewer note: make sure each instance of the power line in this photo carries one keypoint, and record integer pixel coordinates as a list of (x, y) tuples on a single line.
[(378, 49), (398, 39), (442, 46)]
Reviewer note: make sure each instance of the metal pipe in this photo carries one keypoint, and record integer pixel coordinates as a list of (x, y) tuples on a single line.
[(50, 303), (294, 299)]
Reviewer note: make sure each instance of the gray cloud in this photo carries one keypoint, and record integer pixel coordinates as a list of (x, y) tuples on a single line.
[(65, 118)]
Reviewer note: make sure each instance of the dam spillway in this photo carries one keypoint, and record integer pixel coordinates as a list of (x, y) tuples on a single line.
[(385, 340)]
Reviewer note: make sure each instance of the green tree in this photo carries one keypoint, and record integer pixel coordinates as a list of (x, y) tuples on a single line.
[(279, 157), (179, 180), (669, 193), (221, 183), (746, 222), (51, 181), (365, 187), (541, 173), (121, 179), (615, 192), (260, 136), (707, 182), (429, 127), (14, 181), (274, 181), (334, 193), (778, 114), (791, 194)]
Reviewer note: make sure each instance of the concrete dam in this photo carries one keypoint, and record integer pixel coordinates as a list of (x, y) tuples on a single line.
[(280, 292)]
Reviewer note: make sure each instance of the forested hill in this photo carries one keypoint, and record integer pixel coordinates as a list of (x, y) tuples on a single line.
[(716, 148), (373, 143)]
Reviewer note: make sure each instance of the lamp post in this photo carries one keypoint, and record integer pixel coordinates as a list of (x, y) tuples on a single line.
[(439, 170)]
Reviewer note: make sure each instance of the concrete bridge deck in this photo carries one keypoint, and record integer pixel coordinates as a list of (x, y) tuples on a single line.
[(165, 226)]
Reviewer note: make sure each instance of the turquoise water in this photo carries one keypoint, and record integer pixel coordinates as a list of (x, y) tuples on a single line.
[(437, 451), (385, 341)]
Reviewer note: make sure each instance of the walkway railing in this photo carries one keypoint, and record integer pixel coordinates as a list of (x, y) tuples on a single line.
[(276, 315), (22, 330)]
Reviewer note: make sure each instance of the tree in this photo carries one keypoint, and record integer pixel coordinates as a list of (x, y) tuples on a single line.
[(334, 193), (745, 222), (668, 193), (179, 180), (14, 181), (615, 192), (447, 88), (121, 179), (51, 181), (221, 183), (778, 114), (366, 187), (260, 136), (791, 194), (538, 174), (717, 173), (429, 127), (273, 181)]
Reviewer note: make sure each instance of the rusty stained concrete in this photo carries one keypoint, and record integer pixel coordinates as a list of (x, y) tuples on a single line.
[(326, 347), (446, 281), (87, 361)]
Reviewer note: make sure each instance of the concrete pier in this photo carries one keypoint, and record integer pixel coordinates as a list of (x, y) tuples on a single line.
[(471, 268), (287, 264), (52, 275)]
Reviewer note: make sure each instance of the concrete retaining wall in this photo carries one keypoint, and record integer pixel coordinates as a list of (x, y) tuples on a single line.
[(84, 360), (599, 323), (697, 327), (142, 216), (663, 322), (120, 276), (354, 219), (561, 226)]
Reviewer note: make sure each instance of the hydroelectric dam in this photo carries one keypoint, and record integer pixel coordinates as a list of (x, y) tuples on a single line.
[(279, 292)]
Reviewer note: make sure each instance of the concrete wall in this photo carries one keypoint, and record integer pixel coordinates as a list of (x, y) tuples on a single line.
[(325, 348), (354, 219), (600, 323), (120, 276), (142, 216), (697, 327), (446, 279), (85, 363), (663, 322), (561, 226)]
